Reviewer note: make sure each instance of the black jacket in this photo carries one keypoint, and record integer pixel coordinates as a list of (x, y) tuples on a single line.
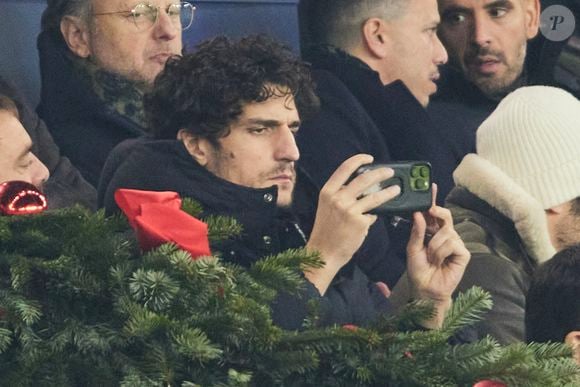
[(166, 165), (66, 186), (459, 108), (401, 124), (341, 130), (84, 128)]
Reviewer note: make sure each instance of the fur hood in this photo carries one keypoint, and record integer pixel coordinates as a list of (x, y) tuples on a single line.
[(492, 185)]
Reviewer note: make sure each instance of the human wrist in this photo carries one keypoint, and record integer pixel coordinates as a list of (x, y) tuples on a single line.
[(440, 309), (323, 276)]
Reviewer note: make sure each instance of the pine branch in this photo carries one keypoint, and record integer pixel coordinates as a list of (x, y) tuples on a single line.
[(5, 339), (144, 323), (195, 345), (192, 207), (549, 351), (467, 309), (283, 272), (221, 228), (154, 289), (409, 317)]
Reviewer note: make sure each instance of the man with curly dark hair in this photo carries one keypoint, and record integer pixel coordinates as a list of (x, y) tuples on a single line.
[(227, 117)]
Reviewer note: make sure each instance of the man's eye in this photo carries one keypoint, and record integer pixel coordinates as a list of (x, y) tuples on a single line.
[(27, 162), (498, 12), (174, 10), (258, 130), (455, 18)]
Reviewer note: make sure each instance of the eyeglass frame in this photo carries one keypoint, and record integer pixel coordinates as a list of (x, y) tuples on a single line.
[(157, 9)]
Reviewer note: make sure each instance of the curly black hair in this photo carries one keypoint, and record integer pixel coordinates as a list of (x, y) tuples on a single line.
[(205, 91)]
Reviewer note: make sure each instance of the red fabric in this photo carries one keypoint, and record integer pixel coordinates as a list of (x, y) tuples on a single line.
[(489, 383), (157, 218)]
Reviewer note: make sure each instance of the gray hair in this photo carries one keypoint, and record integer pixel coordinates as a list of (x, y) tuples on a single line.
[(57, 9), (339, 22)]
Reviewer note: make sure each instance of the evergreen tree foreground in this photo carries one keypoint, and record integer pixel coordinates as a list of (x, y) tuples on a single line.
[(81, 306)]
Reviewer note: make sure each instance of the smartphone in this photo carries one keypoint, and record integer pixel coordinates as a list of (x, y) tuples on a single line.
[(414, 178)]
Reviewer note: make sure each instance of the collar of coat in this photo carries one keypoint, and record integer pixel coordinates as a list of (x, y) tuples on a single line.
[(117, 93), (492, 185)]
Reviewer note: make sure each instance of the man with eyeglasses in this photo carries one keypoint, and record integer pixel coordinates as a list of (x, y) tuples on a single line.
[(97, 59)]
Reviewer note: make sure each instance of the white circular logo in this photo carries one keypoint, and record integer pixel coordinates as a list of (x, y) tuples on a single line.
[(557, 23)]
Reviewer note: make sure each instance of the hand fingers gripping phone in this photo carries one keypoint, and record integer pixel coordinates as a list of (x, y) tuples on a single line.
[(414, 178)]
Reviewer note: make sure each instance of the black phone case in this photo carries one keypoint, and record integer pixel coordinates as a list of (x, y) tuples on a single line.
[(411, 199)]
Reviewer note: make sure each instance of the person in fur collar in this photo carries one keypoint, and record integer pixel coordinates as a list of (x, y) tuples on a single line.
[(517, 201)]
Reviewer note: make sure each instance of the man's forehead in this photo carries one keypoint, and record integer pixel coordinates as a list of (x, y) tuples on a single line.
[(11, 130), (129, 4), (422, 11), (276, 105), (473, 3)]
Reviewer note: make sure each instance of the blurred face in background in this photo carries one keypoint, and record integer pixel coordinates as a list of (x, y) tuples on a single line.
[(113, 40), (487, 40), (17, 162), (418, 50)]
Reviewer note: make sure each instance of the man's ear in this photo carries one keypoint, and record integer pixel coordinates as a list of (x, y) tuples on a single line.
[(573, 340), (76, 35), (532, 11), (376, 38), (199, 148)]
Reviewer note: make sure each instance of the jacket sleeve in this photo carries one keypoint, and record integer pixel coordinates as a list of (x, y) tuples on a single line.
[(508, 287), (354, 299), (351, 299), (66, 186)]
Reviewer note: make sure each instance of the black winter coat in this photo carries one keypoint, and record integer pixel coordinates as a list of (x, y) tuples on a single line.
[(84, 128), (340, 130), (166, 165)]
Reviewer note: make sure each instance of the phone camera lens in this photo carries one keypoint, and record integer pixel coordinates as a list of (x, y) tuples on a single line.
[(421, 185), (416, 172)]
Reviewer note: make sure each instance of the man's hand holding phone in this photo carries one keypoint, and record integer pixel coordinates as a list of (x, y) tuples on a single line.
[(343, 219), (345, 213)]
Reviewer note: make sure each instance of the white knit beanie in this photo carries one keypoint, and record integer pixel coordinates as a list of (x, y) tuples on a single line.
[(534, 137)]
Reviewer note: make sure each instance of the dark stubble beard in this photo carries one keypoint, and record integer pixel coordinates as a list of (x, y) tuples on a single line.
[(497, 88)]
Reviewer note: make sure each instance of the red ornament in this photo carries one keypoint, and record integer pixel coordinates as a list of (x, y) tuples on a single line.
[(21, 198), (350, 327), (157, 218), (489, 383)]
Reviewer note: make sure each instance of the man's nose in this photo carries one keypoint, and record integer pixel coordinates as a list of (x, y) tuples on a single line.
[(166, 28), (441, 56), (39, 173), (481, 31), (286, 148)]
